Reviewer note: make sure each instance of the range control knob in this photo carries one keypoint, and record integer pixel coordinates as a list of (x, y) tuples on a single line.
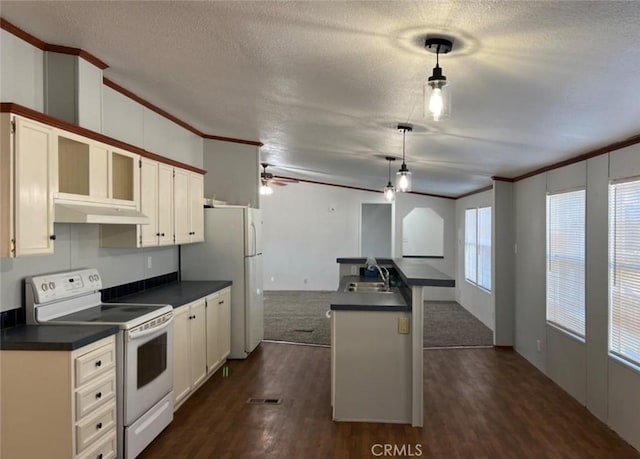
[(91, 278), (52, 285), (44, 287)]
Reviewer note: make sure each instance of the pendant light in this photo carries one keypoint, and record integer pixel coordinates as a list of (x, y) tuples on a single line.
[(403, 176), (437, 97), (389, 190)]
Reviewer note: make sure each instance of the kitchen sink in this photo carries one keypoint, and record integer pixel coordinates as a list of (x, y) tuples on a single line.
[(366, 287)]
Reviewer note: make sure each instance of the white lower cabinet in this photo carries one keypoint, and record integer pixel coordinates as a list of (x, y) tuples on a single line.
[(189, 349), (202, 342), (67, 398), (218, 329)]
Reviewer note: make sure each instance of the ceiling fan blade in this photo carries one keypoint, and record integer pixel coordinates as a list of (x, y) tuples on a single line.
[(285, 179)]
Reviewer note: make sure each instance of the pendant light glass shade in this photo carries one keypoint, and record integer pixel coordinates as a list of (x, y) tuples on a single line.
[(437, 100), (403, 179), (403, 176), (389, 190)]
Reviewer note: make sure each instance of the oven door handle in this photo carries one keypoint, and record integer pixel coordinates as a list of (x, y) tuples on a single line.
[(141, 334)]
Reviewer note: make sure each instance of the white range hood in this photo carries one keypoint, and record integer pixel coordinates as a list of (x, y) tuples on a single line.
[(88, 213)]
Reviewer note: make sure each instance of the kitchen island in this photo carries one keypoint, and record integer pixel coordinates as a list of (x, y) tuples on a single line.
[(376, 343)]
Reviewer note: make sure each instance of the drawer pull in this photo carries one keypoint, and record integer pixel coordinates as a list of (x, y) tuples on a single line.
[(98, 395), (99, 426), (99, 363), (221, 302)]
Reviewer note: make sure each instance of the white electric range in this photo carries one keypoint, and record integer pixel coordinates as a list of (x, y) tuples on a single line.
[(144, 348)]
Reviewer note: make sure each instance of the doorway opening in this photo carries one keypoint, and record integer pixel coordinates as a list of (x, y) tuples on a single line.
[(376, 222)]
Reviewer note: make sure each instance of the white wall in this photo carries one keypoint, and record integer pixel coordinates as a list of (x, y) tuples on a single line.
[(21, 72), (127, 120), (608, 388), (232, 172), (166, 138), (77, 246), (122, 118), (423, 233), (477, 301), (445, 208), (375, 230), (303, 237), (503, 263)]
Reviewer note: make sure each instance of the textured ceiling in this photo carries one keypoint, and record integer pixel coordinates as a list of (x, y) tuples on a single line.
[(323, 84)]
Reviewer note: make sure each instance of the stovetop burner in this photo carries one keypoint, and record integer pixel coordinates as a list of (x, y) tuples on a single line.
[(109, 313)]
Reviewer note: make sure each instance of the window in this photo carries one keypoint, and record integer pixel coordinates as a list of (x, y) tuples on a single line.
[(477, 246), (624, 270), (565, 261)]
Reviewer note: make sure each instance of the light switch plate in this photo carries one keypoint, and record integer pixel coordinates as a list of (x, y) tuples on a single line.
[(403, 325)]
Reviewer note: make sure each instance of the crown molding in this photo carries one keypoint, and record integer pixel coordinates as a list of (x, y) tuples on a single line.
[(69, 127)]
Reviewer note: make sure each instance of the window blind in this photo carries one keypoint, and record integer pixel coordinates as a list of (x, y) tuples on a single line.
[(565, 261), (470, 234), (624, 270), (484, 247)]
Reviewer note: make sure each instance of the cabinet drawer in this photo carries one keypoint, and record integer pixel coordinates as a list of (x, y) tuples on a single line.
[(95, 426), (103, 449), (95, 394), (94, 363)]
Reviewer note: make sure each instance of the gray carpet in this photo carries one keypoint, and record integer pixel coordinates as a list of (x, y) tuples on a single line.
[(299, 317)]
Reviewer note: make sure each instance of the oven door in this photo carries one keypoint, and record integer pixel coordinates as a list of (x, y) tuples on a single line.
[(148, 366)]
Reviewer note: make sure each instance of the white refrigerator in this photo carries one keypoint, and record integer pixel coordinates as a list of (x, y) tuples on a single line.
[(232, 251)]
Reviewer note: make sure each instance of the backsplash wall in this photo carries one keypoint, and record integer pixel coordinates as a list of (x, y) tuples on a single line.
[(78, 246)]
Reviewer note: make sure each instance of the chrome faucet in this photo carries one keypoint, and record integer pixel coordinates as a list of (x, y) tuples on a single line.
[(384, 272)]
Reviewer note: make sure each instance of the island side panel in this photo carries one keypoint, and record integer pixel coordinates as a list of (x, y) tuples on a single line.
[(417, 380)]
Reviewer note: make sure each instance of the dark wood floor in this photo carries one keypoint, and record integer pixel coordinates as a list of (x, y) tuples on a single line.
[(479, 403)]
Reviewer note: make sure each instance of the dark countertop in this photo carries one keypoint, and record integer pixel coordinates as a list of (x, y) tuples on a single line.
[(53, 337), (176, 294), (414, 271), (361, 301)]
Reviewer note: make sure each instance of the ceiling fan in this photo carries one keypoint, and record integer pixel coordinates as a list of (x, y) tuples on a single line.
[(268, 178)]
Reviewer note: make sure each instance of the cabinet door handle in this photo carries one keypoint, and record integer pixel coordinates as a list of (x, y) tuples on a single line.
[(99, 363), (99, 395), (221, 302), (162, 234), (52, 237), (99, 456), (99, 426), (157, 234)]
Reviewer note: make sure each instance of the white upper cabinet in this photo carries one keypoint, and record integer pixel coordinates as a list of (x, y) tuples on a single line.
[(165, 204), (196, 207), (89, 171), (182, 223), (28, 178), (156, 202), (189, 220), (149, 202)]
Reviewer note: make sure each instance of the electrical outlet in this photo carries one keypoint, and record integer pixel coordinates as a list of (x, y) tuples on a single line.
[(403, 325), (306, 281), (273, 279), (539, 345), (354, 270), (149, 264)]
